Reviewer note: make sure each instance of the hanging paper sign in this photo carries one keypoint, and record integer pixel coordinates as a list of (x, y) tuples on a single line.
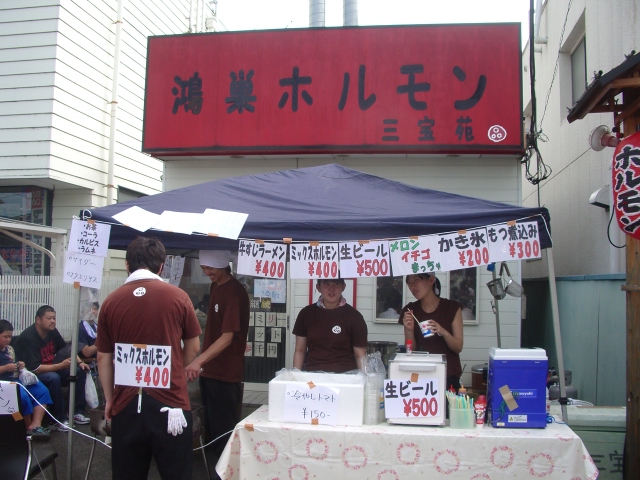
[(513, 241), (364, 260), (83, 269), (314, 261), (89, 238), (414, 255), (173, 269), (625, 181), (147, 366), (303, 404), (266, 260), (406, 399), (276, 290), (464, 249), (8, 398)]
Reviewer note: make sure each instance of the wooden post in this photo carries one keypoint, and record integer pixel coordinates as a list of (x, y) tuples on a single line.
[(632, 288)]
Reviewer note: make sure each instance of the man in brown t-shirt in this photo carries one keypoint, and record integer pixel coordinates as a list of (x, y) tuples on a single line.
[(146, 311), (221, 363)]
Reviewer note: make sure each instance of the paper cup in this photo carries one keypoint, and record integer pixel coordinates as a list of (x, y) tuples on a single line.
[(424, 328)]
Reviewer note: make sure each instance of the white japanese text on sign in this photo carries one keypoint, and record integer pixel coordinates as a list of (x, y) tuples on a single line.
[(314, 261), (513, 241), (304, 405), (147, 366), (369, 259), (406, 399), (267, 260)]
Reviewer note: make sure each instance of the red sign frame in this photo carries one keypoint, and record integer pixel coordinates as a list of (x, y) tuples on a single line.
[(399, 89)]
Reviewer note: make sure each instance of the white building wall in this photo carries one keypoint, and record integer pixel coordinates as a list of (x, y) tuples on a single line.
[(579, 229), (489, 178), (56, 73)]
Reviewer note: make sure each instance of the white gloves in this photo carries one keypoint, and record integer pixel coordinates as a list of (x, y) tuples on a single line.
[(176, 420)]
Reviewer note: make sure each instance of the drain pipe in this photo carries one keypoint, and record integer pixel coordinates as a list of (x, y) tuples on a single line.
[(114, 108), (316, 13), (350, 13)]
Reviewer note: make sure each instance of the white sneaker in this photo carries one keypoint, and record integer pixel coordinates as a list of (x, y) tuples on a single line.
[(61, 427), (80, 419)]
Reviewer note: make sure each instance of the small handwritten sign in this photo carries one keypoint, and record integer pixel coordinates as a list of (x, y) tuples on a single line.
[(84, 269), (303, 404), (8, 398), (414, 255), (465, 249), (276, 290), (147, 366), (89, 238), (515, 241), (406, 399)]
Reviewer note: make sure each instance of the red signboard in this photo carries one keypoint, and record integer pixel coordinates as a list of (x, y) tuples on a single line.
[(405, 89), (626, 180)]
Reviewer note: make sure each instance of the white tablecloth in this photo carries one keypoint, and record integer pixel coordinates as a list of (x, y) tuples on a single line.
[(265, 450)]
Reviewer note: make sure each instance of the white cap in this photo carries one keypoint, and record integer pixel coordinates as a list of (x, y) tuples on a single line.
[(215, 258)]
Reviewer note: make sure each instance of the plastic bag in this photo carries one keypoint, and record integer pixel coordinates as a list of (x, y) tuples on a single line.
[(27, 378), (90, 392)]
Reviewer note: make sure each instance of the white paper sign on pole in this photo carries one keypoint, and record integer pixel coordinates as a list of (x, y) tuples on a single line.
[(365, 260), (303, 404), (464, 249), (147, 366), (513, 241), (84, 269), (276, 290), (89, 238), (414, 255), (8, 398), (406, 399), (319, 260), (266, 260)]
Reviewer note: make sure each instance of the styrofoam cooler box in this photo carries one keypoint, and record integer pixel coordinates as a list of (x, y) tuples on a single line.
[(516, 387), (418, 367), (350, 404)]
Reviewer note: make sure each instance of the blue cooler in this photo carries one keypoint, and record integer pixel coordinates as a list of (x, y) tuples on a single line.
[(516, 387)]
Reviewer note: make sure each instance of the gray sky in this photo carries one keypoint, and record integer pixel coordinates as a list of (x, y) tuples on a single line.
[(265, 14)]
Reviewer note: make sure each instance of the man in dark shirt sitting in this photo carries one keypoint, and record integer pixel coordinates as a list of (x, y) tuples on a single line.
[(37, 346)]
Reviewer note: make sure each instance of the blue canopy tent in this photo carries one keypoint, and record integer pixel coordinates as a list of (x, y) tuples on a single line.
[(327, 203)]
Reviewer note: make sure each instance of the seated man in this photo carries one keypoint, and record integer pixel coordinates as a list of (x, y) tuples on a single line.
[(87, 332), (37, 347)]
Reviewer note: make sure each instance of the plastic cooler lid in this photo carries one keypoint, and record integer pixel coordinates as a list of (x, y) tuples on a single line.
[(517, 353)]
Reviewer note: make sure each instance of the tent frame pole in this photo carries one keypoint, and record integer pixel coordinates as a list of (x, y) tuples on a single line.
[(556, 333)]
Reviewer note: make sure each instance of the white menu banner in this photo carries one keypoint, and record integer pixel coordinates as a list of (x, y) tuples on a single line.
[(319, 260), (83, 269), (89, 238), (514, 241), (464, 249), (361, 260), (414, 255), (266, 260)]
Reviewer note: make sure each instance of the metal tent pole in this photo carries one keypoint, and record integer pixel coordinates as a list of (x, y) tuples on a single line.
[(73, 368), (556, 333)]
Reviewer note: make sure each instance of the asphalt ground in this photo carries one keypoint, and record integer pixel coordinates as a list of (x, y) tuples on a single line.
[(101, 463)]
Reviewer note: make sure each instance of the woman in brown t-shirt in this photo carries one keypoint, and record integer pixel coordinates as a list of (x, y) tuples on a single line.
[(331, 335), (445, 321)]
